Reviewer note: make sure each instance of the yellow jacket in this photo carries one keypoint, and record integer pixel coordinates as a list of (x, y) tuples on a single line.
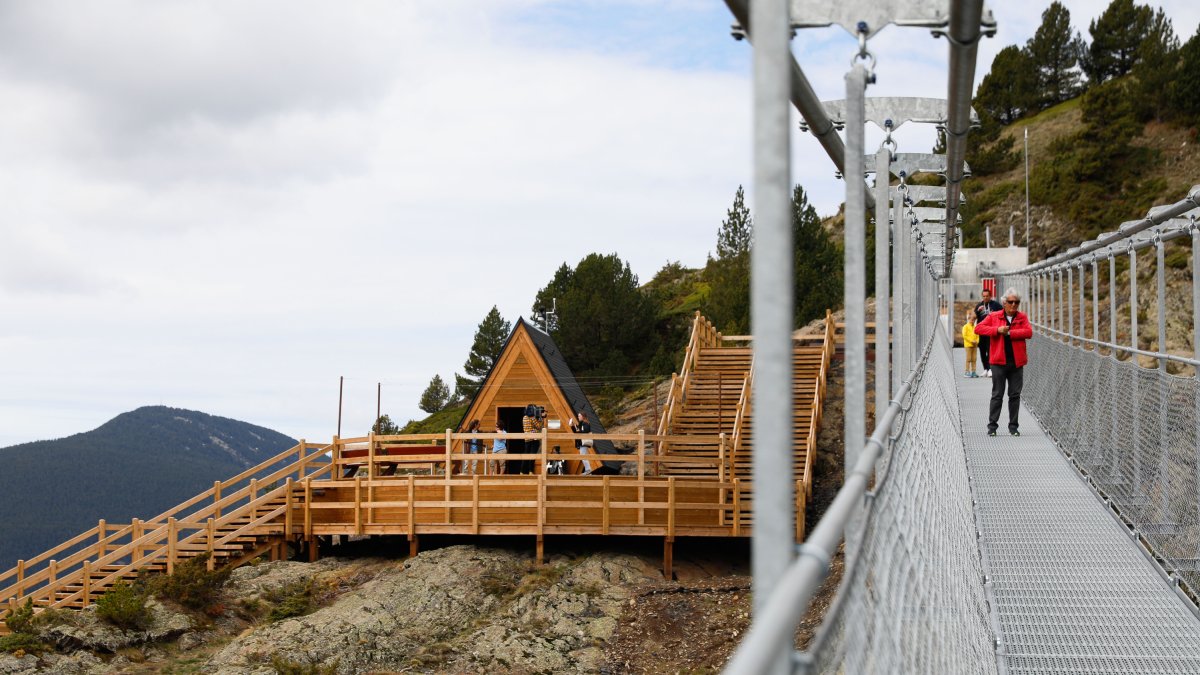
[(970, 339)]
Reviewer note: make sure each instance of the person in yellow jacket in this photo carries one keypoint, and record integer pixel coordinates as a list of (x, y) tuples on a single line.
[(971, 345)]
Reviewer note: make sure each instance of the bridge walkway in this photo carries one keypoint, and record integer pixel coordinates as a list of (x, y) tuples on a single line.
[(1071, 590)]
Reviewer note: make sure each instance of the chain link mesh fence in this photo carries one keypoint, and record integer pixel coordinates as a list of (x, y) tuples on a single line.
[(1133, 431), (912, 598)]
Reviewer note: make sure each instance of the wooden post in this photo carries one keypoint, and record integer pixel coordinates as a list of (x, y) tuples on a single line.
[(668, 558), (606, 518), (211, 536), (217, 498), (287, 513), (87, 582), (737, 507), (412, 514), (446, 490), (475, 502), (308, 508), (299, 458), (20, 579), (172, 531), (541, 513), (138, 532), (800, 508), (671, 508), (253, 496), (53, 572), (101, 532), (358, 522), (336, 474), (641, 477), (721, 458), (314, 548), (545, 448), (721, 479), (371, 474)]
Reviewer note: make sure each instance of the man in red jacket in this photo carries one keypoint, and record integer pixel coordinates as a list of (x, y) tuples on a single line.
[(1009, 330)]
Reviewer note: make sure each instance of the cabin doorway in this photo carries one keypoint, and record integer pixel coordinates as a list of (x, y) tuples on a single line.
[(512, 418)]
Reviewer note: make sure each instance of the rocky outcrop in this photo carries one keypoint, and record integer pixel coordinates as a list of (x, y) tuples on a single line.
[(459, 608)]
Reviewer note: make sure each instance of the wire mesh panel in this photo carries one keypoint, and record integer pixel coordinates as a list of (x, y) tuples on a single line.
[(913, 601), (1133, 430)]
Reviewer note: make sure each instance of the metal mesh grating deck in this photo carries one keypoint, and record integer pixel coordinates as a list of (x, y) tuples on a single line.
[(1071, 590)]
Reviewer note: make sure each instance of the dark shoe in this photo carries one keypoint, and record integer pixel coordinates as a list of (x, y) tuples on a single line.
[(991, 432), (1014, 432)]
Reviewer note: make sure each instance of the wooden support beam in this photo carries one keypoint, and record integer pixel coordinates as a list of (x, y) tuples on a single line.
[(412, 511), (606, 518), (668, 558), (475, 502), (449, 471), (217, 498), (101, 533), (371, 475), (139, 530), (641, 472), (20, 590), (737, 507), (541, 551), (413, 546), (287, 508), (313, 544)]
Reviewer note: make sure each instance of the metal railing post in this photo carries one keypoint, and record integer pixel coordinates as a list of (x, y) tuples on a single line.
[(771, 308), (882, 244), (855, 266), (1160, 273)]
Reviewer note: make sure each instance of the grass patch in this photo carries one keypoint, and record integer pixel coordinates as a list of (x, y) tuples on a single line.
[(294, 599), (24, 643), (286, 666)]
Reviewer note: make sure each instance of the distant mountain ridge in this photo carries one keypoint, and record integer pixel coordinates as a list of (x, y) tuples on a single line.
[(136, 465)]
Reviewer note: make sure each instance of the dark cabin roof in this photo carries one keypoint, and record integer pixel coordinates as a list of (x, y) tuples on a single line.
[(563, 377)]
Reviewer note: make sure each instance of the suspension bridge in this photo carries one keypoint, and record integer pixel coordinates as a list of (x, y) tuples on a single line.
[(1073, 547)]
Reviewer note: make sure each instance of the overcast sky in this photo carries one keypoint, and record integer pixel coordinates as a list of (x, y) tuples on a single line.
[(224, 206)]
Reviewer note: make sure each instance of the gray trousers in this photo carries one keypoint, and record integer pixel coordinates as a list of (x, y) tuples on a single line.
[(1014, 378)]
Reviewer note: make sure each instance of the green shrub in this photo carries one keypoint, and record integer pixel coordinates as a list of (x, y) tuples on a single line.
[(192, 585), (21, 620), (1178, 259), (295, 599), (21, 642), (124, 607), (286, 666)]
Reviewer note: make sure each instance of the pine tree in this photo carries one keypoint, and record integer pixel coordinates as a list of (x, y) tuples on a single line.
[(485, 349), (1185, 96), (435, 396), (1157, 67), (605, 322), (729, 273), (818, 271), (1116, 37), (1010, 89), (384, 426), (1055, 53)]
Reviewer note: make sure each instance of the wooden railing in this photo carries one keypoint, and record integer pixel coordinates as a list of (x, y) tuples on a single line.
[(829, 346), (739, 420), (63, 575), (703, 336)]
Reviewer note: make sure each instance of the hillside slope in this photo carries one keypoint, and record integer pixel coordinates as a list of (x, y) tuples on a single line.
[(136, 465)]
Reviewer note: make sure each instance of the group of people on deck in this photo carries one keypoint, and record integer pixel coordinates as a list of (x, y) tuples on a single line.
[(533, 421), (998, 332)]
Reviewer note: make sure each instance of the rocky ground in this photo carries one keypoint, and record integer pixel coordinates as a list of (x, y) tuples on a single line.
[(599, 605)]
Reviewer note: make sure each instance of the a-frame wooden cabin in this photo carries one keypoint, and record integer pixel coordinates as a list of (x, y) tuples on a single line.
[(531, 370)]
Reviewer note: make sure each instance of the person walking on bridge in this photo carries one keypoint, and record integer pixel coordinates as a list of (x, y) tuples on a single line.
[(1008, 331), (985, 307)]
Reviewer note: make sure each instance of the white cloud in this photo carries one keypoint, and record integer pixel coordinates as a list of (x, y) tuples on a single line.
[(226, 206)]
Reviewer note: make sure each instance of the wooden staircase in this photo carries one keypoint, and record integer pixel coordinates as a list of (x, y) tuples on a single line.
[(232, 523), (712, 397)]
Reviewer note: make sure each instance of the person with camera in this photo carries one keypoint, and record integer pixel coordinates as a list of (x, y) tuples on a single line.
[(532, 423), (581, 425), (1008, 330)]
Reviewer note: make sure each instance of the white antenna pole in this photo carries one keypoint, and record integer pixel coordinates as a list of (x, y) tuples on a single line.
[(1026, 187)]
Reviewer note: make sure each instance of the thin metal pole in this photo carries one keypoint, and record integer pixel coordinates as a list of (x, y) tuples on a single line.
[(855, 266), (1161, 276), (1133, 302), (1196, 296), (1112, 302), (1026, 187), (1070, 305), (1095, 300), (1082, 313), (771, 309), (900, 322), (963, 33), (882, 243), (341, 387)]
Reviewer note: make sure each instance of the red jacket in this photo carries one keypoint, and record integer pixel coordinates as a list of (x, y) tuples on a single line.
[(1019, 333)]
